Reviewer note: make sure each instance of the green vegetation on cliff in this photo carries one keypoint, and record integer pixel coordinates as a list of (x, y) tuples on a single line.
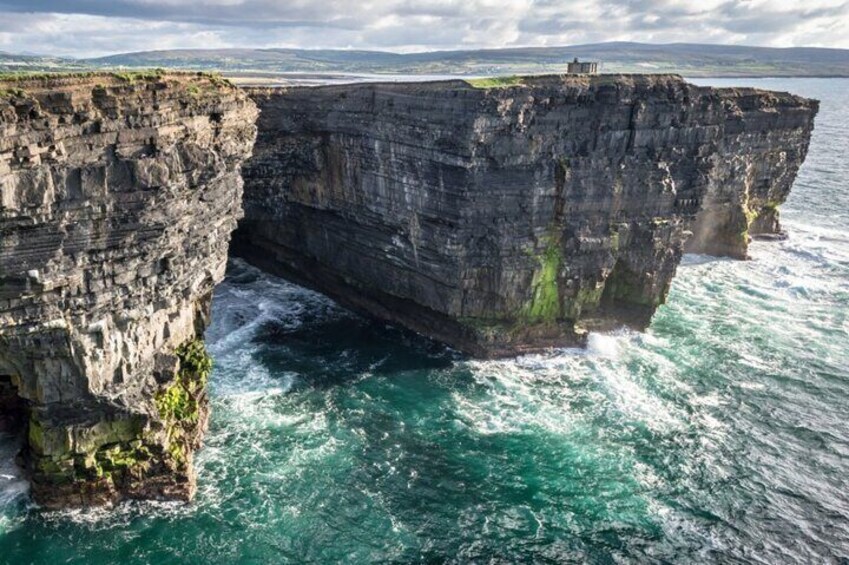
[(545, 302), (495, 82), (124, 75), (180, 402)]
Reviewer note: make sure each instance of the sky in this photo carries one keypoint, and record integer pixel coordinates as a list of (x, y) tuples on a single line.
[(86, 28)]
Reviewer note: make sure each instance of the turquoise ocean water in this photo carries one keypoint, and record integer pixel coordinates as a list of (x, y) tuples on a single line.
[(719, 435)]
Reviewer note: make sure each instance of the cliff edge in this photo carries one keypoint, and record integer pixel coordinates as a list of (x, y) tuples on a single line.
[(765, 141), (119, 193)]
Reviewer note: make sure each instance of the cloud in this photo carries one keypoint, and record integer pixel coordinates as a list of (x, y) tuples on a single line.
[(97, 27)]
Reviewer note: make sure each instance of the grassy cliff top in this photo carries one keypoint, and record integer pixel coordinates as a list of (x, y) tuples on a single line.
[(41, 79), (494, 83)]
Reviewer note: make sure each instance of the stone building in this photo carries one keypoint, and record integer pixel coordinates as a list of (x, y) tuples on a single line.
[(586, 67)]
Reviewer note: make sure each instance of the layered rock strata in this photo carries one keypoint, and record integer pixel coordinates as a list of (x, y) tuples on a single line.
[(499, 220), (766, 138), (508, 219), (119, 194)]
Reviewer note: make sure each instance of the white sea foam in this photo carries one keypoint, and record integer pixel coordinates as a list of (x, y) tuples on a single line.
[(541, 391), (241, 309), (751, 386), (635, 402), (604, 345), (121, 515), (13, 486), (513, 395)]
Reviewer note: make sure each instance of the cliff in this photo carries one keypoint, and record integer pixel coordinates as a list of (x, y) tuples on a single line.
[(501, 216), (766, 137), (506, 216), (119, 194)]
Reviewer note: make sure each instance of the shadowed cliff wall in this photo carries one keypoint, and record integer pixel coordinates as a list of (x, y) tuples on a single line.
[(508, 219)]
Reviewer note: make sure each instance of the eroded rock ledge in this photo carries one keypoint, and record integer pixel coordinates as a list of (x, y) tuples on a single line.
[(119, 194), (507, 220)]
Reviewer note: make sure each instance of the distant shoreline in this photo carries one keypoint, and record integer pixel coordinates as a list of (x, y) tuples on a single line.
[(280, 80), (686, 59)]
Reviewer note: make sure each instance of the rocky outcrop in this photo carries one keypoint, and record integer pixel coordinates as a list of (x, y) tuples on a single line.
[(119, 194), (500, 220), (766, 137), (511, 218)]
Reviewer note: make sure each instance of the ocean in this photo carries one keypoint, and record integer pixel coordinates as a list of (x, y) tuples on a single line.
[(721, 434)]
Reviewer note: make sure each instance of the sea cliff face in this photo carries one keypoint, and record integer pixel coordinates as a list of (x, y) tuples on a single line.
[(765, 141), (499, 220), (119, 194), (511, 218)]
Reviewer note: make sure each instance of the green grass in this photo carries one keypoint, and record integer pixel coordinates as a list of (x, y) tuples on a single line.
[(144, 74), (216, 78), (129, 76), (16, 76), (496, 82), (15, 84), (10, 92)]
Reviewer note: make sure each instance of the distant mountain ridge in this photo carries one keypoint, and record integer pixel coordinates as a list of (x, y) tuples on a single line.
[(689, 59)]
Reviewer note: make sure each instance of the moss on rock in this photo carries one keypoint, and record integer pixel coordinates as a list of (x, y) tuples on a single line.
[(117, 456), (587, 298), (545, 305), (180, 402), (181, 405)]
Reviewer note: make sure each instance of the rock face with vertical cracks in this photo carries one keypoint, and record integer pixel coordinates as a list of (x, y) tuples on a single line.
[(509, 219), (119, 194)]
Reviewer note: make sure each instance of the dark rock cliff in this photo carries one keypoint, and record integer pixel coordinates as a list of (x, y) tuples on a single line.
[(498, 220), (504, 220), (119, 194), (766, 137)]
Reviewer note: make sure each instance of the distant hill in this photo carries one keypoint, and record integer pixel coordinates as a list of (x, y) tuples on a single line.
[(10, 62), (695, 60), (686, 59)]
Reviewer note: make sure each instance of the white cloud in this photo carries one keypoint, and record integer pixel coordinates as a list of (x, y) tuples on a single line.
[(94, 27)]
